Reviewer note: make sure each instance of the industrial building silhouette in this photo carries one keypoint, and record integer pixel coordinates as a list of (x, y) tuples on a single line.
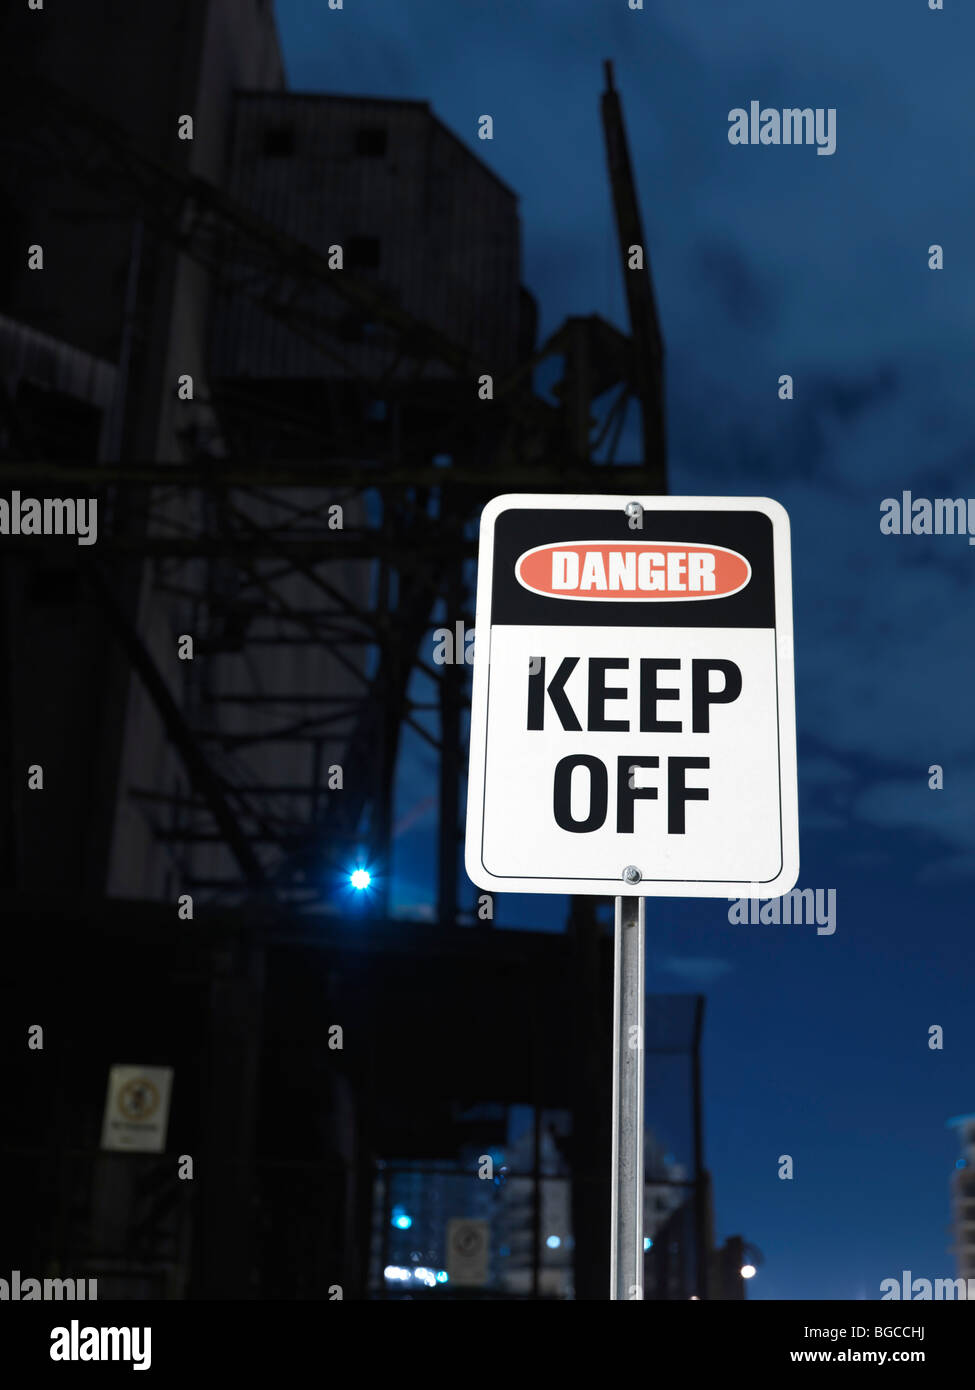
[(194, 355)]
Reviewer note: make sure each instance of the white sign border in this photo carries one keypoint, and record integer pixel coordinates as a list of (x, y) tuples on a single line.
[(788, 875)]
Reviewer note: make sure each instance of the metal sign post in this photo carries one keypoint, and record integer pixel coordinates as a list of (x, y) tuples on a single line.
[(626, 1249), (633, 734)]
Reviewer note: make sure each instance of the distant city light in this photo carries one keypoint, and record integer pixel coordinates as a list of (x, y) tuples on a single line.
[(553, 1242), (421, 1275), (748, 1271), (647, 1243), (360, 878), (400, 1217)]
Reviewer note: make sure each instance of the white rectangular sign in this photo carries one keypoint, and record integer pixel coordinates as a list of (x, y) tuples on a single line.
[(633, 717), (137, 1108), (468, 1249)]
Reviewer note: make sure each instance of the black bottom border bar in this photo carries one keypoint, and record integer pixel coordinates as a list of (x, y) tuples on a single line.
[(197, 1338)]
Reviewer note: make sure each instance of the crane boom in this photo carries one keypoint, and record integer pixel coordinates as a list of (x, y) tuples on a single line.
[(648, 349)]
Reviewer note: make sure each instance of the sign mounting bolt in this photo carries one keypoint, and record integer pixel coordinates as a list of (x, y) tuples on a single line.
[(631, 874)]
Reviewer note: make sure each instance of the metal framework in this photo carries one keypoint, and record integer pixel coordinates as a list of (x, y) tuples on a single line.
[(244, 545)]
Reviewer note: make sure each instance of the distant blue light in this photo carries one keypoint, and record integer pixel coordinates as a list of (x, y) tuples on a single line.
[(553, 1242), (401, 1219), (647, 1243), (442, 1276), (360, 879), (961, 1163)]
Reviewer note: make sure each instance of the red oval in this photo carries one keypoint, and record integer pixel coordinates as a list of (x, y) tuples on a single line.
[(632, 571)]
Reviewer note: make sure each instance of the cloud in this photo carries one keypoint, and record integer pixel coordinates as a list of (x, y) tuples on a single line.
[(897, 803), (698, 971), (736, 284)]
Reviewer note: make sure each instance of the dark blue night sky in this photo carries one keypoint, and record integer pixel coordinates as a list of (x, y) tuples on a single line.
[(771, 260)]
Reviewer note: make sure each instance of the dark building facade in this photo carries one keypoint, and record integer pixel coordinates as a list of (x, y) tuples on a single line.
[(178, 889)]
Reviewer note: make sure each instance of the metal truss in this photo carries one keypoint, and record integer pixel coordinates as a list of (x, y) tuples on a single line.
[(240, 544)]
